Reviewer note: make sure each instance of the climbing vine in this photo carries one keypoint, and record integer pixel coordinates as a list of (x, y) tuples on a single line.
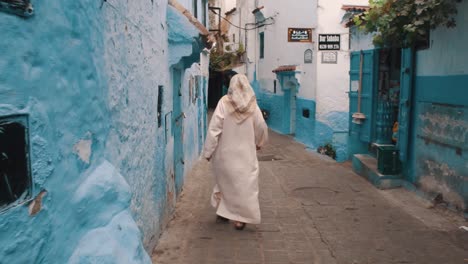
[(406, 22)]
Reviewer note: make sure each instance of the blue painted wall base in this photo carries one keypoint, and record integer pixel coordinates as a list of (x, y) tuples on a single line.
[(308, 130)]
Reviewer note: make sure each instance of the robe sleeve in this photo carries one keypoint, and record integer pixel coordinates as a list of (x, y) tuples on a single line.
[(261, 129), (214, 131)]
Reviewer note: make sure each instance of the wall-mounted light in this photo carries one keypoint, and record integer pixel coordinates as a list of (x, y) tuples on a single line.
[(22, 8)]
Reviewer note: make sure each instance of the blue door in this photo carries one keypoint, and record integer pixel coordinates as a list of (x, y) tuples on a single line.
[(406, 82), (178, 126), (289, 114), (363, 132)]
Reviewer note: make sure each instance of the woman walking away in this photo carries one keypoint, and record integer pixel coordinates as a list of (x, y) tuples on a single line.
[(237, 130)]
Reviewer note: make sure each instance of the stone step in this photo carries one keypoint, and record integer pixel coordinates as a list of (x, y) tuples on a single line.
[(366, 166)]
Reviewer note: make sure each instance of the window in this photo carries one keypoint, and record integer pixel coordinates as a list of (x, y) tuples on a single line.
[(160, 101), (194, 89), (234, 38), (195, 8), (197, 88), (262, 45), (204, 13), (15, 174), (274, 86), (305, 112)]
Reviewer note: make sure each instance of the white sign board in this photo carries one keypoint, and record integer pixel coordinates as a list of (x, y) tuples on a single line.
[(330, 57)]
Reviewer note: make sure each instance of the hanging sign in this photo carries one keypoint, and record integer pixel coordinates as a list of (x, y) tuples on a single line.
[(299, 34), (329, 41)]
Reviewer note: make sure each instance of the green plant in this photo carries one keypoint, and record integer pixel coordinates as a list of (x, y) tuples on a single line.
[(221, 61), (402, 23), (328, 150), (241, 50)]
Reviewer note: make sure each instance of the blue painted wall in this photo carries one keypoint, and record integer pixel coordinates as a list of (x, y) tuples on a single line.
[(438, 142), (309, 131), (305, 126), (333, 128), (439, 150), (440, 138), (274, 104), (87, 74)]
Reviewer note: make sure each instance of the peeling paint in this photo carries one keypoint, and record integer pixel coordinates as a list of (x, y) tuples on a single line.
[(36, 205), (83, 149), (431, 184), (445, 127), (441, 169)]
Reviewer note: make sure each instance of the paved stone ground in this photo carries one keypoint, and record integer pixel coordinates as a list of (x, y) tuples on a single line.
[(313, 211)]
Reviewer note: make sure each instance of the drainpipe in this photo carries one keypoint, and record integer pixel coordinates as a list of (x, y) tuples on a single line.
[(247, 53), (240, 23)]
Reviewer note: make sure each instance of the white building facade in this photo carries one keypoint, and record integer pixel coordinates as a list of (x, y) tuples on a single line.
[(297, 58)]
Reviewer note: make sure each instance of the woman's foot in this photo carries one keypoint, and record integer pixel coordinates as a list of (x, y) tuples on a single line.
[(239, 225), (220, 219)]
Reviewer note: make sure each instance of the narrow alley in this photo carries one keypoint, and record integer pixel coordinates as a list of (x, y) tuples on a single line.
[(314, 210), (105, 127)]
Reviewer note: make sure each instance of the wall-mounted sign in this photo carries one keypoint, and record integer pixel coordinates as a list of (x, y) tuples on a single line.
[(308, 56), (330, 57), (329, 41), (299, 34)]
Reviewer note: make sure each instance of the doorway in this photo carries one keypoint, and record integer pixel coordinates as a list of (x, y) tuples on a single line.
[(178, 129), (393, 98), (218, 86), (290, 106), (388, 96)]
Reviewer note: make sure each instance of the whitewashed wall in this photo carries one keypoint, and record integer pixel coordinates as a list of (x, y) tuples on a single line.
[(333, 79), (278, 51)]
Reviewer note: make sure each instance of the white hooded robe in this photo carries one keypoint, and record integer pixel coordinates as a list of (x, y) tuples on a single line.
[(231, 145)]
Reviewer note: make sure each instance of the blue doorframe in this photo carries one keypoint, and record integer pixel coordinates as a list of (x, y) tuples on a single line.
[(201, 110), (178, 127), (406, 90), (362, 134), (290, 87), (289, 114)]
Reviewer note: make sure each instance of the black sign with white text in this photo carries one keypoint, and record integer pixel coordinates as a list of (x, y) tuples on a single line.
[(299, 34), (329, 42)]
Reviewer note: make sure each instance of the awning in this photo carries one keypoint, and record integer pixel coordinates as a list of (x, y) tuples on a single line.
[(351, 11), (203, 30), (355, 8), (285, 68), (186, 41)]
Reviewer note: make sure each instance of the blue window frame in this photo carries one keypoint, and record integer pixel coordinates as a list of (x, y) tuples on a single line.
[(262, 45), (15, 172)]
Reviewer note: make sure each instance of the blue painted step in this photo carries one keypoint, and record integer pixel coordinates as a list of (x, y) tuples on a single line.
[(366, 166)]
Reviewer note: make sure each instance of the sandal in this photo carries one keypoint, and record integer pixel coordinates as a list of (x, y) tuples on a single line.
[(220, 219), (239, 225)]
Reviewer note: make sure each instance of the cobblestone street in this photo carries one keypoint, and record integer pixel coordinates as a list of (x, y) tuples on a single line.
[(313, 211)]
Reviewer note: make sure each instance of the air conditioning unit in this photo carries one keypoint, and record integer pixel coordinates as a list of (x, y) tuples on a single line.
[(230, 47)]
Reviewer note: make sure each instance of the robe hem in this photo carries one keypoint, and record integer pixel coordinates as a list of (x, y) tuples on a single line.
[(239, 218)]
